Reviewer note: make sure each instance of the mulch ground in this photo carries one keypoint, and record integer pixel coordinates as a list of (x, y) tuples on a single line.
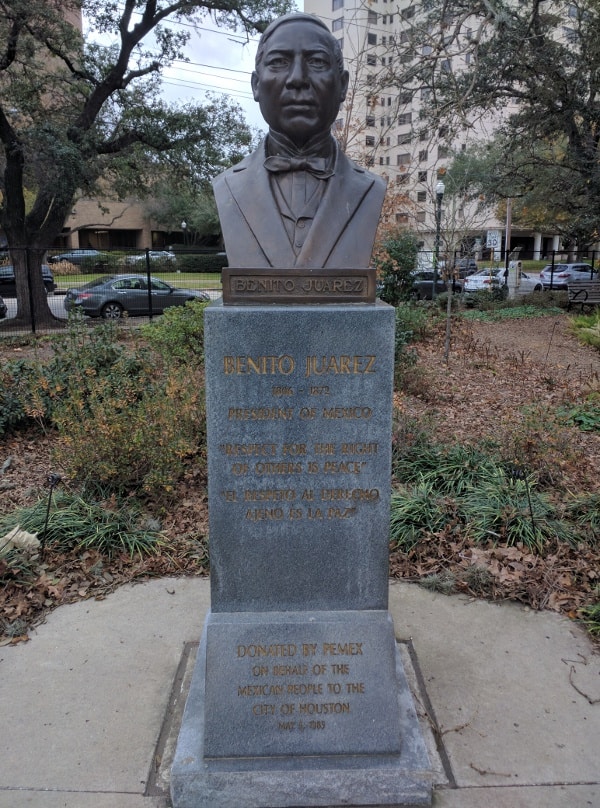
[(500, 379)]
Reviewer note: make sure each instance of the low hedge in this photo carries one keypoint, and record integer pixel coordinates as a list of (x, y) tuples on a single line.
[(201, 262)]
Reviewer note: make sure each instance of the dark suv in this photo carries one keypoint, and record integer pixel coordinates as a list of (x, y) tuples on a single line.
[(7, 280)]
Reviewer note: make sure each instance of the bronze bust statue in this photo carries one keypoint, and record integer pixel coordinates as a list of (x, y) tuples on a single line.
[(298, 201)]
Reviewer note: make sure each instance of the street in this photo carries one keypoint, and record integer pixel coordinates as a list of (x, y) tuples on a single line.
[(56, 302)]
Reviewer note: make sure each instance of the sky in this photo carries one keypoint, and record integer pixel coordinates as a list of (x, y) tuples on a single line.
[(220, 61)]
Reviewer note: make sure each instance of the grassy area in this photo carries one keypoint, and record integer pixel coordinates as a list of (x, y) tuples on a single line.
[(189, 280)]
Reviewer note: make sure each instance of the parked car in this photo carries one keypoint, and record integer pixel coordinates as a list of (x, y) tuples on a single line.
[(90, 259), (156, 256), (7, 280), (564, 273), (465, 266), (422, 288), (3, 309), (112, 295), (494, 278)]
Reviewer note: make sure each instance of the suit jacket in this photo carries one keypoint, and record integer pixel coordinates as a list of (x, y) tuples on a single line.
[(342, 232)]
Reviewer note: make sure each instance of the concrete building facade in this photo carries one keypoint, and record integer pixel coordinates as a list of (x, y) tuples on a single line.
[(385, 130)]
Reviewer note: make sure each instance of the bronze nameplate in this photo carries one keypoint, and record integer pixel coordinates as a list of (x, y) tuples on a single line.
[(246, 286)]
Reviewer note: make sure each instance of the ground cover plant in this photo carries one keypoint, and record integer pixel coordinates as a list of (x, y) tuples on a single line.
[(496, 478)]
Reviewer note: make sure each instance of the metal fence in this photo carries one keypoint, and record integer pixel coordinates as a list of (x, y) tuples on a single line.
[(141, 283), (106, 284)]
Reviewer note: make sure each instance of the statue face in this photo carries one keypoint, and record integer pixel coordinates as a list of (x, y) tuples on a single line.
[(298, 84)]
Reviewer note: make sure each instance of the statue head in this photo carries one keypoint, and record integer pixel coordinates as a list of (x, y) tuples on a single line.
[(299, 80)]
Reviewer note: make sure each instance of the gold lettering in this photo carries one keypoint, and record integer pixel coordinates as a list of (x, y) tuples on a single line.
[(342, 649), (261, 365), (330, 708)]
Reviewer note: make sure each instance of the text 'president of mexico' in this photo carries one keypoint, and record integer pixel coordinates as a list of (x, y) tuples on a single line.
[(298, 201)]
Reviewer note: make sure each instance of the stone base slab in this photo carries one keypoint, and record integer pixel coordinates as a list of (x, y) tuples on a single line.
[(285, 780)]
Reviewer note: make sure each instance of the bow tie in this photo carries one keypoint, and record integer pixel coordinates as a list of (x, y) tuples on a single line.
[(317, 166)]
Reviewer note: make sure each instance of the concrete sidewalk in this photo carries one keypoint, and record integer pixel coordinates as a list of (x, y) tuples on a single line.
[(513, 697)]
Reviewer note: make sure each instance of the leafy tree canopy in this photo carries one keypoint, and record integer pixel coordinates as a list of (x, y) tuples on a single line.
[(534, 67), (74, 114)]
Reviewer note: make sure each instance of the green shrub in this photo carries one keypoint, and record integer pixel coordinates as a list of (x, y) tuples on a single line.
[(396, 259), (414, 321), (587, 329), (417, 512), (201, 262), (75, 524), (16, 381), (131, 430), (590, 615), (502, 509), (586, 416), (179, 334), (584, 512)]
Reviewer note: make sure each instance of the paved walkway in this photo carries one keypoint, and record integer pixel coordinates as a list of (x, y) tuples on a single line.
[(514, 694)]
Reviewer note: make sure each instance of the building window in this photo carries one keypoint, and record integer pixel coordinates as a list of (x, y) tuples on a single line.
[(443, 152), (425, 94), (371, 39), (369, 140), (402, 218), (407, 13), (381, 161), (370, 161), (571, 34), (403, 159), (338, 24), (370, 120), (384, 40), (423, 156), (421, 196), (404, 37), (371, 59), (446, 65), (404, 118), (337, 4), (422, 176), (406, 97), (421, 216), (372, 17), (402, 179), (404, 139)]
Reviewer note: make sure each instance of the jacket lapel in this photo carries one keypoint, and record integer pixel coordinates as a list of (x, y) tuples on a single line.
[(250, 187), (349, 183)]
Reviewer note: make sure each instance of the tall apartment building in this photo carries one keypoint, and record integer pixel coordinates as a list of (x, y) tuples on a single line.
[(383, 129)]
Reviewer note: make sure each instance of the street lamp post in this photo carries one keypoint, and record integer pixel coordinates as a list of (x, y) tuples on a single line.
[(439, 195)]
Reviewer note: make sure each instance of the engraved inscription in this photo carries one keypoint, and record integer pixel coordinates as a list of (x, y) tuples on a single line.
[(320, 461), (298, 685)]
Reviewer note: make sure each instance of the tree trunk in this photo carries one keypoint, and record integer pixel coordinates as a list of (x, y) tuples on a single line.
[(32, 301)]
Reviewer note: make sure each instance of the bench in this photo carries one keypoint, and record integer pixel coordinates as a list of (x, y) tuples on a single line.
[(584, 293)]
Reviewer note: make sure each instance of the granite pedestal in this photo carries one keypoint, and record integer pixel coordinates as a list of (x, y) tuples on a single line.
[(299, 697)]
